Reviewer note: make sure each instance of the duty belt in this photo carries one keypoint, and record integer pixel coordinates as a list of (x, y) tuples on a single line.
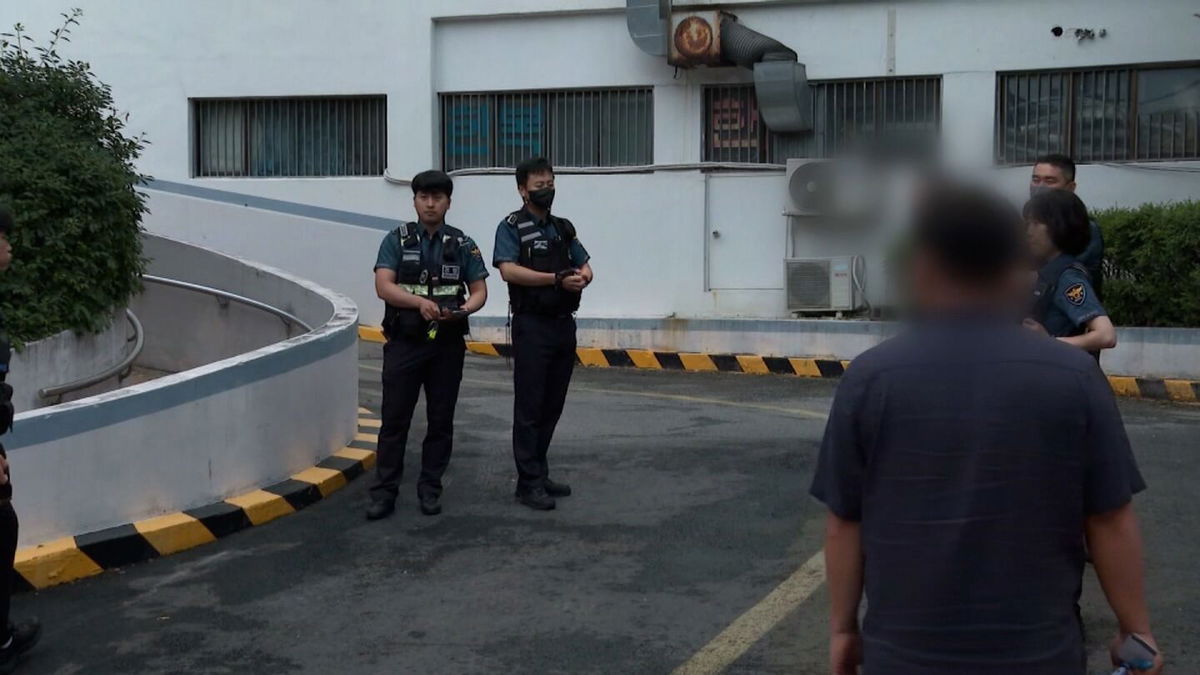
[(437, 291)]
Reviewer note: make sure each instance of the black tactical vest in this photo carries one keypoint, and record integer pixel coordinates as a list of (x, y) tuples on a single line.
[(541, 253), (438, 280)]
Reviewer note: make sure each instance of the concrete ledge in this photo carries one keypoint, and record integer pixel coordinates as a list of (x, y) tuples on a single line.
[(72, 558)]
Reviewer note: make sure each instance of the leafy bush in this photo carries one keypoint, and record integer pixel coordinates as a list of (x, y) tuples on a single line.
[(67, 173), (1152, 264)]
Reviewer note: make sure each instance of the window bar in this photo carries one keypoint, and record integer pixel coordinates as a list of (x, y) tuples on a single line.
[(235, 131), (1087, 124), (378, 134), (1002, 130), (1112, 145), (1044, 120), (204, 154), (203, 157), (221, 145)]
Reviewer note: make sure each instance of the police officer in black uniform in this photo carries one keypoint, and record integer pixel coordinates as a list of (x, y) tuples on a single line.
[(546, 267), (15, 639), (431, 277), (1065, 302)]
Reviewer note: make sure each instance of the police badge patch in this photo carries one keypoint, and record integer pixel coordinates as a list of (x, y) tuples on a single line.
[(450, 272), (1076, 294)]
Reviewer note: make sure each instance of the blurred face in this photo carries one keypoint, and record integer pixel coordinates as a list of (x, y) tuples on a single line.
[(1040, 244), (431, 207), (5, 253), (1051, 177)]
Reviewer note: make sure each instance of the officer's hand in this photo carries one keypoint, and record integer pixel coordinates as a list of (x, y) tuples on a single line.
[(574, 283), (1115, 646), (1034, 326), (430, 310), (3, 470)]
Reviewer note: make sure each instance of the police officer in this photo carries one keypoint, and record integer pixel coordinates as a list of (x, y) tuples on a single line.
[(15, 640), (546, 268), (1065, 303), (431, 276), (1057, 172)]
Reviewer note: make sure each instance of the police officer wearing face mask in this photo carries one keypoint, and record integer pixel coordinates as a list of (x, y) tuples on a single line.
[(1057, 172), (546, 268), (423, 273)]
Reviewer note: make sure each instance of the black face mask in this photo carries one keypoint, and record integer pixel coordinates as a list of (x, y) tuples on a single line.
[(542, 198)]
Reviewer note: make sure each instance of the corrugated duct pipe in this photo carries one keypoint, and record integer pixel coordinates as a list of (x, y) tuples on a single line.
[(745, 47)]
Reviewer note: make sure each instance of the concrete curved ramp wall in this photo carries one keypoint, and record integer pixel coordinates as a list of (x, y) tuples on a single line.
[(209, 432)]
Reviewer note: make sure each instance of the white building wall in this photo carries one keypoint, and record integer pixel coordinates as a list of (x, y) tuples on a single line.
[(650, 234)]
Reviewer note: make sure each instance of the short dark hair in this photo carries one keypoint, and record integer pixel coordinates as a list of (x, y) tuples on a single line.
[(1065, 218), (973, 234), (1063, 162), (533, 165), (433, 181), (6, 220)]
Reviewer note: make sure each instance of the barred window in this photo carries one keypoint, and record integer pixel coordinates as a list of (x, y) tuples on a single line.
[(1099, 115), (577, 128), (293, 137), (847, 115)]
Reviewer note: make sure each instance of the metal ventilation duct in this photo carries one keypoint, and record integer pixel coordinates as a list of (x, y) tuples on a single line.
[(649, 23), (780, 81)]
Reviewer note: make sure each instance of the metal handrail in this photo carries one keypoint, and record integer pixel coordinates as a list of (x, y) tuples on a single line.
[(140, 337), (139, 341), (240, 299)]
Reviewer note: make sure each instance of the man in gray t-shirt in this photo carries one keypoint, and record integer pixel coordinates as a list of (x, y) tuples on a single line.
[(964, 464)]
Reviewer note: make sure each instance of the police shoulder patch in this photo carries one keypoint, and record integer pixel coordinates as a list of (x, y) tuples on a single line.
[(1076, 294)]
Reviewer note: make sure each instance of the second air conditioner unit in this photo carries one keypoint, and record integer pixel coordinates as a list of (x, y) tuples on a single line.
[(823, 284)]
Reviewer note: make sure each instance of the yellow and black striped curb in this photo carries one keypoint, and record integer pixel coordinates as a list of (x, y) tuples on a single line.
[(654, 360), (1186, 391), (72, 558)]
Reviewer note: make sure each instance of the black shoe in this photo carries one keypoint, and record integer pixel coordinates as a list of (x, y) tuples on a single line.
[(24, 637), (381, 508), (557, 489), (430, 505), (537, 498)]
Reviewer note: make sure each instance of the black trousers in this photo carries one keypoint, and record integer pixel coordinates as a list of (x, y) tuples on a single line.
[(543, 360), (8, 551), (409, 366)]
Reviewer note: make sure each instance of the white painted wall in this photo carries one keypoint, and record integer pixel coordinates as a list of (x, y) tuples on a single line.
[(199, 436), (65, 358), (642, 228)]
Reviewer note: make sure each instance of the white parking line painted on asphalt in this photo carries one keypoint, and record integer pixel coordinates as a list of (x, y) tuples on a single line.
[(728, 646)]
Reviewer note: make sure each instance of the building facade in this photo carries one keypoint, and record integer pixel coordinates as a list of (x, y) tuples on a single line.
[(676, 186)]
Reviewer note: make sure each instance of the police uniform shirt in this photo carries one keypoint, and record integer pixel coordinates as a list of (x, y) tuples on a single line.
[(391, 249), (508, 246), (1073, 303)]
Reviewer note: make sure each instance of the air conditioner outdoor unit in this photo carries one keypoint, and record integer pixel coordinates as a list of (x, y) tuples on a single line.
[(842, 188), (822, 284), (811, 187)]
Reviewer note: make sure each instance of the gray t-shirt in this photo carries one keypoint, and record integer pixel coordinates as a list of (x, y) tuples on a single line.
[(972, 451)]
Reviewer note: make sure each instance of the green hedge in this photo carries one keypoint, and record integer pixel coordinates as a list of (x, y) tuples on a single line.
[(1152, 264), (67, 173)]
